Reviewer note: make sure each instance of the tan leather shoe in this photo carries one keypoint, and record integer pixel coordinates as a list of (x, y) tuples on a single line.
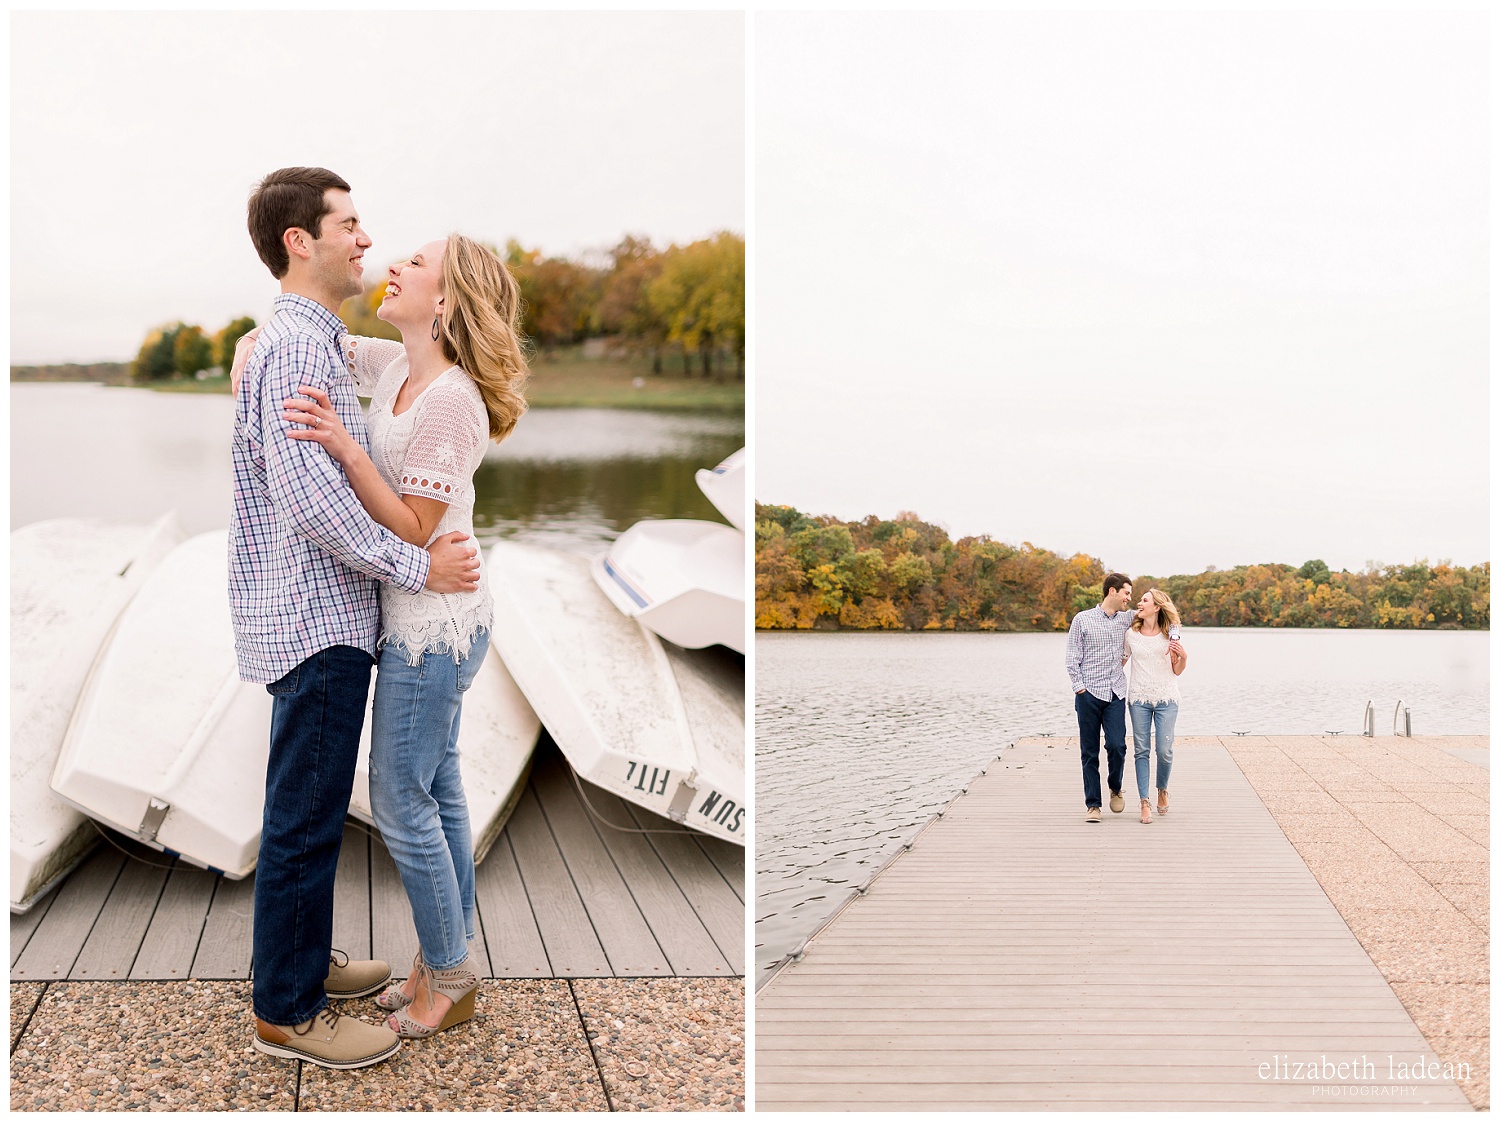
[(1116, 801), (350, 978), (328, 1040), (1093, 814)]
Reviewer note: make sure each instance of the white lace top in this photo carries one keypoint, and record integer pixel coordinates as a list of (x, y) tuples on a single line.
[(432, 449), (1151, 677)]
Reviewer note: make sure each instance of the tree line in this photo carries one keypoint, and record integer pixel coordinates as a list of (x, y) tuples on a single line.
[(183, 349), (906, 574), (687, 301)]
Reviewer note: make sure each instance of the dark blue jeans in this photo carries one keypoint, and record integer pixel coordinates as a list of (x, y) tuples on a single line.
[(316, 718), (1093, 716)]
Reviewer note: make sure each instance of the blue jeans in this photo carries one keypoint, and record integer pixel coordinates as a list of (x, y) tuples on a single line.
[(316, 718), (1095, 716), (1144, 714), (417, 794)]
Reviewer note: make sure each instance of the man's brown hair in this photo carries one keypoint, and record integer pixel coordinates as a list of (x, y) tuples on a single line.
[(1114, 581), (288, 197)]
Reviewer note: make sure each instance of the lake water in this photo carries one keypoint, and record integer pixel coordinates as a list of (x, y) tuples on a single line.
[(860, 738), (571, 478)]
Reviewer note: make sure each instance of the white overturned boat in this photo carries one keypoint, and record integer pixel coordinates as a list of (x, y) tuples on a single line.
[(70, 579), (167, 744), (724, 486), (682, 578), (497, 734), (655, 724), (170, 747)]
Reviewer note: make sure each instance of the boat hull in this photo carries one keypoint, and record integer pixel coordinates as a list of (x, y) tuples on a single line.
[(683, 579), (70, 580), (167, 745), (724, 486), (659, 726)]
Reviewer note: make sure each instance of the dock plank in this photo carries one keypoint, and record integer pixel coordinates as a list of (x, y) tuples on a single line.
[(171, 942), (515, 945), (550, 883), (728, 858), (54, 945), (718, 907), (676, 925), (227, 945), (22, 926), (1179, 956), (573, 947), (627, 939), (115, 941)]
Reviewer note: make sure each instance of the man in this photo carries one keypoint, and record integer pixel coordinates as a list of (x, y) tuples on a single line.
[(304, 562), (1095, 661)]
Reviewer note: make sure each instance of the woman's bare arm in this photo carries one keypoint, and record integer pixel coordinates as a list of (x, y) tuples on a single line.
[(412, 518), (1177, 654)]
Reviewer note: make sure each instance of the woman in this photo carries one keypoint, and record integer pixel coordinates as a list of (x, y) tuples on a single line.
[(1155, 663), (437, 399)]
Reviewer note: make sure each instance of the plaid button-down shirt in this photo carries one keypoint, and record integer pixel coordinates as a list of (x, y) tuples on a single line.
[(1096, 644), (304, 557)]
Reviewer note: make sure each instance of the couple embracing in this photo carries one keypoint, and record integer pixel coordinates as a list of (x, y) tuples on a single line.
[(1101, 641), (350, 545)]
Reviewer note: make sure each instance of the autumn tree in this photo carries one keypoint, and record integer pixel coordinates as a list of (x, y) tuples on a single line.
[(907, 573), (358, 313), (699, 297), (623, 308), (192, 351), (558, 296)]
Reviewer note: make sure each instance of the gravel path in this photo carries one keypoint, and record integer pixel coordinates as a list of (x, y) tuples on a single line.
[(669, 1043), (186, 1046), (1397, 832)]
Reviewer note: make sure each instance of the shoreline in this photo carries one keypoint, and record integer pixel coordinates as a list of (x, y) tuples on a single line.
[(563, 381)]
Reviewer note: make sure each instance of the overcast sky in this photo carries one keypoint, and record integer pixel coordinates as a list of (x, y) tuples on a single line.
[(137, 136), (1171, 289)]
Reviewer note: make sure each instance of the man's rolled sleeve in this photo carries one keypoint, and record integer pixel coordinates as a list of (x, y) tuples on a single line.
[(309, 487)]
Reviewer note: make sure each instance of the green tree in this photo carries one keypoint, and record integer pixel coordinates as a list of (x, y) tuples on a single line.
[(1315, 571), (156, 358), (227, 337)]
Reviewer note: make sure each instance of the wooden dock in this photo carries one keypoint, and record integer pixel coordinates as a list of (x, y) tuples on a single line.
[(560, 895), (1018, 957)]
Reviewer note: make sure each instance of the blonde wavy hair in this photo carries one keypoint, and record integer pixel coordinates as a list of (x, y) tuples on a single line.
[(1167, 616), (481, 329)]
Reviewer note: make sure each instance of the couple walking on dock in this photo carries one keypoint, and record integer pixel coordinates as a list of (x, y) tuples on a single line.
[(1101, 641), (350, 545)]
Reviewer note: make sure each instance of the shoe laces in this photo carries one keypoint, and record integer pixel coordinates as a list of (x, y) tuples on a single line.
[(333, 957), (326, 1015)]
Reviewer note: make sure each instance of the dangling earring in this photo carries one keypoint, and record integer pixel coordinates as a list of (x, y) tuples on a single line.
[(434, 329)]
